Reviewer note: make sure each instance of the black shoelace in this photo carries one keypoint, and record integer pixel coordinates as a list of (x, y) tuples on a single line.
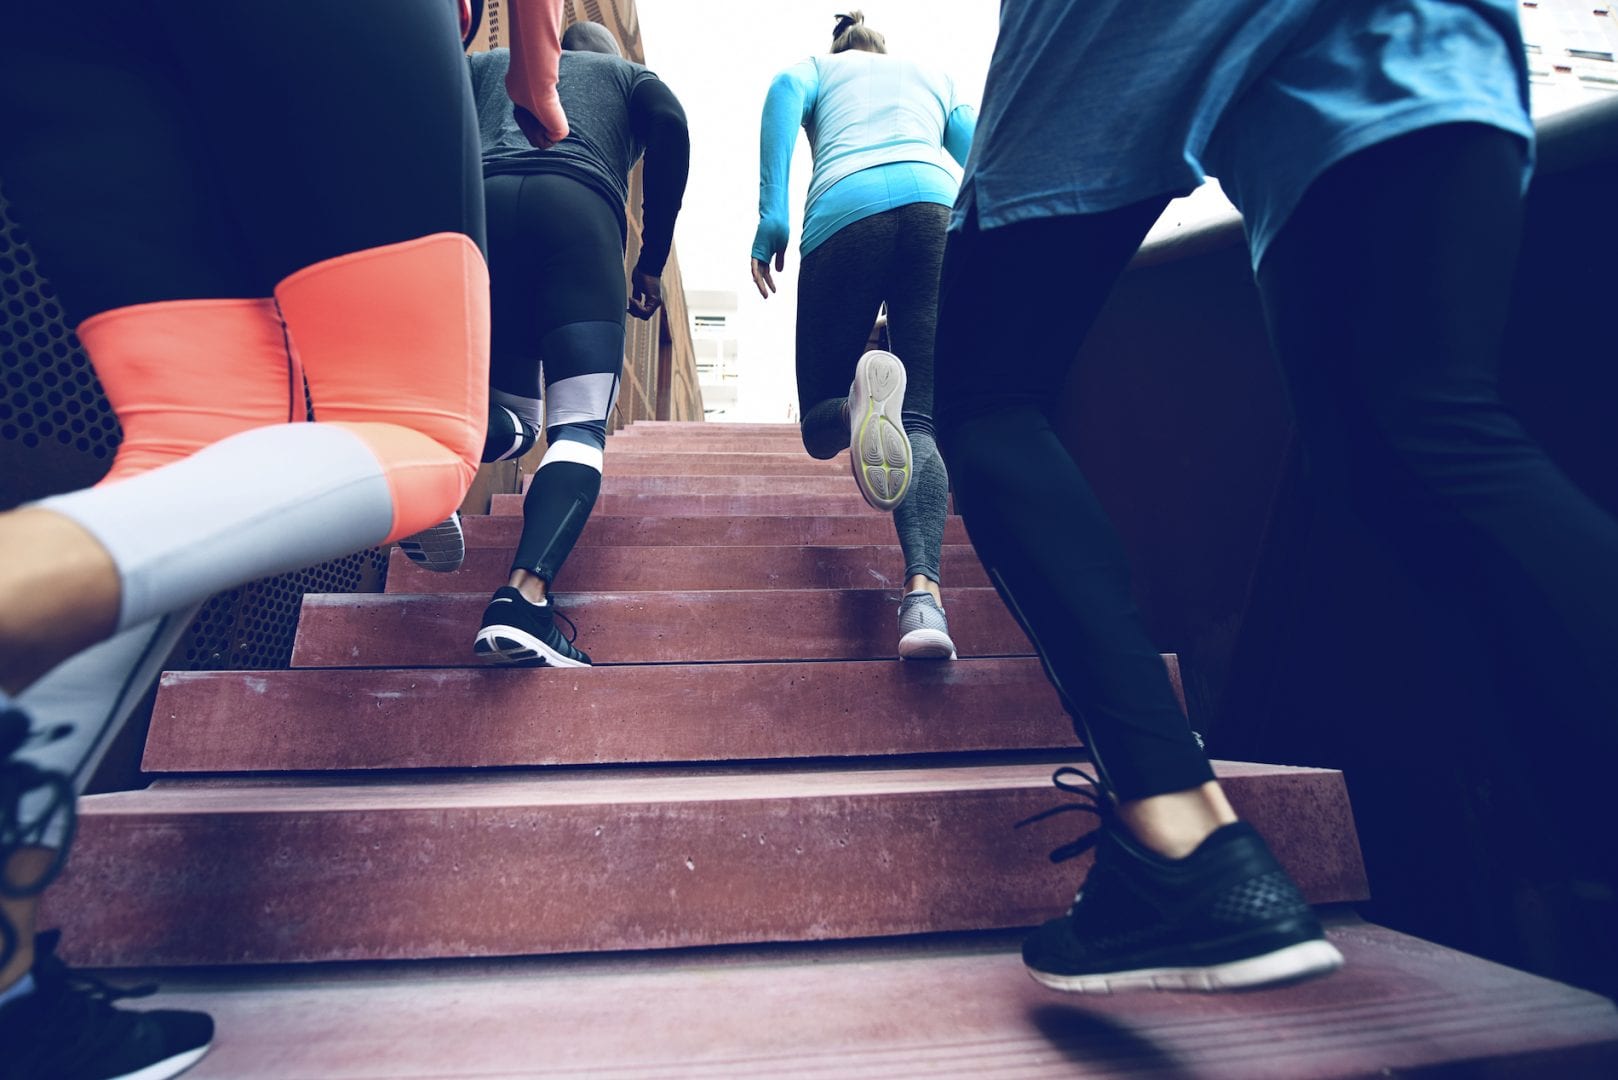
[(1096, 800), (569, 638), (17, 780)]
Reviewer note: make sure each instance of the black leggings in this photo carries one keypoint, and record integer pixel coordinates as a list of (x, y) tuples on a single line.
[(556, 263), (556, 271), (1385, 295), (893, 258), (210, 150)]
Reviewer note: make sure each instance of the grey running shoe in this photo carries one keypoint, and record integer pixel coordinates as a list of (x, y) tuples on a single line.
[(440, 548), (923, 630), (879, 450)]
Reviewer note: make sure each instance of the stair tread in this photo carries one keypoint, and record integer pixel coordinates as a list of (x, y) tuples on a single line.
[(279, 870), (959, 1006), (605, 788), (332, 719), (630, 568), (615, 483), (684, 505), (745, 530), (420, 630)]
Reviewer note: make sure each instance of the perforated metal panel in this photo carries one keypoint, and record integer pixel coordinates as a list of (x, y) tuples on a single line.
[(57, 433), (53, 415), (253, 627)]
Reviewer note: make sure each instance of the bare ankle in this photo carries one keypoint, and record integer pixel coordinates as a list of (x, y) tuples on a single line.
[(22, 871), (1175, 824), (923, 583), (530, 584)]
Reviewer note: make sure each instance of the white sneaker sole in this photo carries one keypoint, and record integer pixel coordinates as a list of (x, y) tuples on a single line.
[(1301, 961), (879, 450), (510, 645), (168, 1067), (441, 548), (926, 644)]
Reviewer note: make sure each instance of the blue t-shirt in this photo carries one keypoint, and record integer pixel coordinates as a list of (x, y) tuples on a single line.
[(1092, 105), (879, 127)]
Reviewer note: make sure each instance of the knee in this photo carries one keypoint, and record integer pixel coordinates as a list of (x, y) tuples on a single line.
[(578, 444), (182, 375)]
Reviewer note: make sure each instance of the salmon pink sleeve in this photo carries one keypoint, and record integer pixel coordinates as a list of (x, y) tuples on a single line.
[(536, 52)]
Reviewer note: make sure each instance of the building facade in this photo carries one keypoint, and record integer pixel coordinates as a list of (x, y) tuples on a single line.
[(718, 350), (1572, 51), (660, 373)]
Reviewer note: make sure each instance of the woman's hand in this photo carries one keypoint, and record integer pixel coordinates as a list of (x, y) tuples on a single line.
[(545, 130), (761, 273), (770, 240)]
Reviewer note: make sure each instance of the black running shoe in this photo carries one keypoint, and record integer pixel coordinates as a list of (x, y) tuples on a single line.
[(1225, 917), (517, 631), (69, 1029)]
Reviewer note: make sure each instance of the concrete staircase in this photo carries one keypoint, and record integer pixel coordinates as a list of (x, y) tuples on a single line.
[(747, 771)]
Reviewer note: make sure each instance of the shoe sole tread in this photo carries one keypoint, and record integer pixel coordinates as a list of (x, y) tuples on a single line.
[(880, 447), (514, 645), (1303, 960)]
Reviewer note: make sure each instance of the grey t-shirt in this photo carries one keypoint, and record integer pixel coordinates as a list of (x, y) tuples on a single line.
[(601, 147)]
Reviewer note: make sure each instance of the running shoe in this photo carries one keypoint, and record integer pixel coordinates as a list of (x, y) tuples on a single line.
[(516, 630), (879, 450), (1225, 917), (923, 630), (18, 780), (69, 1029), (440, 548)]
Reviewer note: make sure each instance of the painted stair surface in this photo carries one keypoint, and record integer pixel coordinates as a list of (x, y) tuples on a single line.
[(661, 569), (957, 1007), (279, 870), (748, 768), (704, 530), (435, 630)]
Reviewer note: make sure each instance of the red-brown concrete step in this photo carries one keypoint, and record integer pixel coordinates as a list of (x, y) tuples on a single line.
[(956, 1007), (394, 630), (276, 871), (659, 463), (729, 505), (642, 427), (748, 484), (324, 720), (631, 569), (604, 530), (692, 447)]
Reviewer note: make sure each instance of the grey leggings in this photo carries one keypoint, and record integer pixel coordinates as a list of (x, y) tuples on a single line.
[(894, 258)]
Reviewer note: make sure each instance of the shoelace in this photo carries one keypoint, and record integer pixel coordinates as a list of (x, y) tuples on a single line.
[(18, 779), (1096, 801), (574, 636)]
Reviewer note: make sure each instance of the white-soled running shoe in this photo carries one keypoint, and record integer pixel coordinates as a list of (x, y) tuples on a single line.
[(879, 450), (923, 630), (518, 631), (440, 548)]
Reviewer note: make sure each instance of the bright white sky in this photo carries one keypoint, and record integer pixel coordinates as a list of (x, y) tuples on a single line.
[(718, 56)]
